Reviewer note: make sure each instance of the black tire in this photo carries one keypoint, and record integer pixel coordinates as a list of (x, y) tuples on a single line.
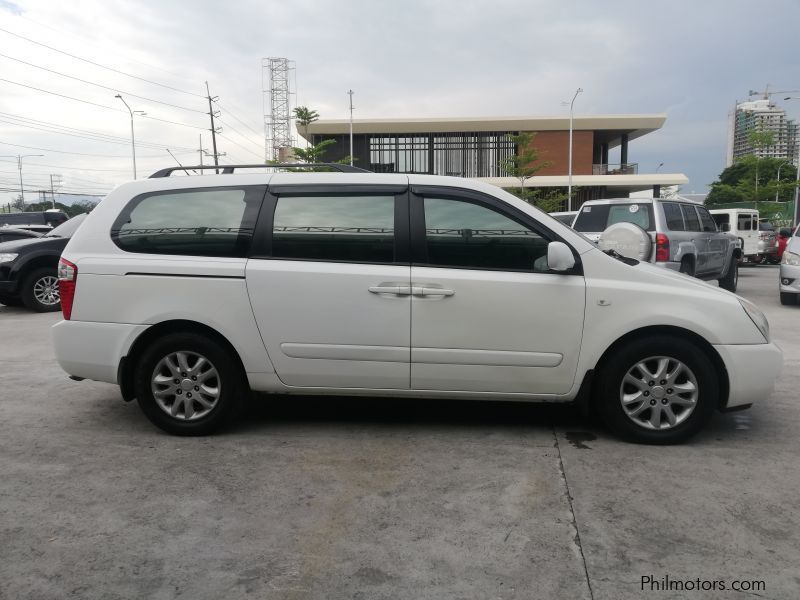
[(610, 388), (731, 279), (10, 301), (687, 267), (788, 299), (231, 383), (29, 290)]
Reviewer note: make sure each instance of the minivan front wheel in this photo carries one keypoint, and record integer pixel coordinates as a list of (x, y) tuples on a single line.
[(658, 390), (187, 384)]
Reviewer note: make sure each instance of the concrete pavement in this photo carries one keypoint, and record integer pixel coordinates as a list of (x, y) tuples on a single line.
[(375, 498)]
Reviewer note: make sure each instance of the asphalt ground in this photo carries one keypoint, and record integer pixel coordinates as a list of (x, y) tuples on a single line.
[(375, 498)]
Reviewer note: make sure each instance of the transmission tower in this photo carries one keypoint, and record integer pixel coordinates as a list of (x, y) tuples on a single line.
[(277, 106)]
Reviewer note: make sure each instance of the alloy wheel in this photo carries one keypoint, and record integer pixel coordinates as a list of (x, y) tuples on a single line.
[(45, 290), (185, 385), (659, 393)]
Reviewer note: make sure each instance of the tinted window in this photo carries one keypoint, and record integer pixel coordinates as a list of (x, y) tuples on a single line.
[(722, 218), (690, 218), (342, 228), (706, 222), (206, 222), (598, 217), (463, 234), (765, 226), (673, 216), (744, 222)]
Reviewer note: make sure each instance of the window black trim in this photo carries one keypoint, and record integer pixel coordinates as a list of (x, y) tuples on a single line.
[(251, 213), (419, 247), (262, 242)]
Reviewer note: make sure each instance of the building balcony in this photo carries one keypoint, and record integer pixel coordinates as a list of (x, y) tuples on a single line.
[(615, 169)]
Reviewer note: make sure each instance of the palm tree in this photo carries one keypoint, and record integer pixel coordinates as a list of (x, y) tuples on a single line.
[(305, 117)]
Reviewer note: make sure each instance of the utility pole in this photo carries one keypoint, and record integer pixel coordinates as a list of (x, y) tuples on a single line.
[(52, 188), (350, 93), (213, 128), (201, 150), (19, 158)]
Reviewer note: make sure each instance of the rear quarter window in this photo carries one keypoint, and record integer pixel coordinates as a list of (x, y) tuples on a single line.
[(196, 222), (673, 217)]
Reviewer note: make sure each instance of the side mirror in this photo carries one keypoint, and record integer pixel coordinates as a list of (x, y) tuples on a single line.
[(725, 227), (559, 257)]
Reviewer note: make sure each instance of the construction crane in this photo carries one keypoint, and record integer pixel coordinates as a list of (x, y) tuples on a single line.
[(765, 95)]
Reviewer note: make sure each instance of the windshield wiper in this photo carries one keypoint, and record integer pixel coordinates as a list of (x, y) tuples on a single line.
[(626, 259)]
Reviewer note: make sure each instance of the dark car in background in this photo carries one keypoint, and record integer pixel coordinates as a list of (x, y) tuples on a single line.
[(38, 221), (10, 234), (28, 268)]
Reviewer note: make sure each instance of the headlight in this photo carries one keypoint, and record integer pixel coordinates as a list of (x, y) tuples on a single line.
[(790, 258), (4, 258), (756, 316)]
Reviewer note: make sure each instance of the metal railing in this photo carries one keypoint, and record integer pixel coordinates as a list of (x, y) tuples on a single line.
[(615, 169)]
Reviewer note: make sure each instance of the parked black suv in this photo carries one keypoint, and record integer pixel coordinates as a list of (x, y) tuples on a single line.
[(28, 268), (46, 218)]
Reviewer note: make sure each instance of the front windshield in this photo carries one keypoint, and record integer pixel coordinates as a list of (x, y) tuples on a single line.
[(66, 229)]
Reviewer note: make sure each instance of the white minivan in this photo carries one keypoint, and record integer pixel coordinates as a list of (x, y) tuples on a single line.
[(188, 292)]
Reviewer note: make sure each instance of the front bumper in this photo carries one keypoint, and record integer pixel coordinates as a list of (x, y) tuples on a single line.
[(789, 280), (93, 350), (8, 288), (752, 371)]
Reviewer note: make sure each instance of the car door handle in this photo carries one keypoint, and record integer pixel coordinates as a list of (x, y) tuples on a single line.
[(419, 290), (397, 290)]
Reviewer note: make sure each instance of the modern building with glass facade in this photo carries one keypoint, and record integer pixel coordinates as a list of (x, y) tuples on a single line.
[(476, 148)]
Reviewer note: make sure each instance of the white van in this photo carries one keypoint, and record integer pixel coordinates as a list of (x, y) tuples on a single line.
[(190, 291), (744, 224)]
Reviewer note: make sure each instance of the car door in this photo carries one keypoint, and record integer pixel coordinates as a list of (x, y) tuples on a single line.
[(718, 242), (486, 315), (694, 233), (329, 283)]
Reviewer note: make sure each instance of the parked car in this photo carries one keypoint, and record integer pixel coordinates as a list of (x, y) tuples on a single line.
[(189, 291), (768, 237), (9, 234), (757, 244), (47, 219), (675, 234), (566, 217), (28, 268), (790, 270)]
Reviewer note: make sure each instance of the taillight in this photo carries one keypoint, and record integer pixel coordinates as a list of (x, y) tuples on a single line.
[(662, 247), (67, 280)]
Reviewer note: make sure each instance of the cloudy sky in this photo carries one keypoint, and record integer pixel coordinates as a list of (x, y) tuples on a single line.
[(415, 58)]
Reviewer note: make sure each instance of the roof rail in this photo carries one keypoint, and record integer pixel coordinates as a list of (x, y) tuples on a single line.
[(226, 169)]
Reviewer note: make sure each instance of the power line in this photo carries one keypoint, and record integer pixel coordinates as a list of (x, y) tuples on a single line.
[(79, 153), (105, 87), (98, 105), (91, 62), (260, 157), (82, 133), (38, 164), (239, 133), (240, 121)]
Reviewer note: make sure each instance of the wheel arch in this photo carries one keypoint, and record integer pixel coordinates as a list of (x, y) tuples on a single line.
[(40, 261), (128, 362), (686, 334)]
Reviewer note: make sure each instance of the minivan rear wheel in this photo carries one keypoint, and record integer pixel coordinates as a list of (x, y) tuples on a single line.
[(187, 384), (658, 390)]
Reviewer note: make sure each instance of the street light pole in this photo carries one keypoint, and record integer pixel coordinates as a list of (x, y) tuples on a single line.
[(778, 189), (569, 186), (133, 138), (795, 220), (350, 93)]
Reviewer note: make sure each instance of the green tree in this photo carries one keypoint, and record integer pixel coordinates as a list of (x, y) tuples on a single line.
[(737, 182), (525, 162), (760, 139)]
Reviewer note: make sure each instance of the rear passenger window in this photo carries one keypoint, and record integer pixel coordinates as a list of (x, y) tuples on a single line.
[(673, 216), (690, 217), (197, 222), (467, 235), (340, 228), (744, 223), (706, 222)]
